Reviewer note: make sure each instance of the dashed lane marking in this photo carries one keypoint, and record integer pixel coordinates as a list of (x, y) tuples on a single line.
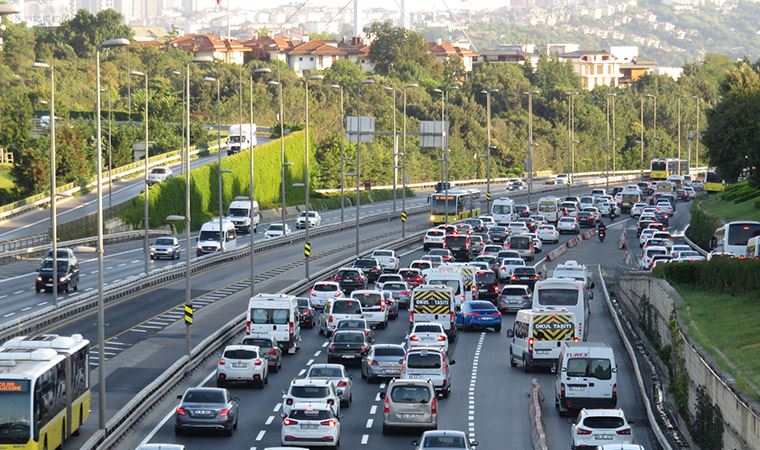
[(373, 410), (370, 422), (9, 314), (18, 292), (277, 407), (269, 421), (365, 439), (260, 436)]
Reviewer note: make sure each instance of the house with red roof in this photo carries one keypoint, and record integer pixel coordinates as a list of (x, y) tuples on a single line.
[(223, 49)]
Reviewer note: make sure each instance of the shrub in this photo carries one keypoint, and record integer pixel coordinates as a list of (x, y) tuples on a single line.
[(702, 226), (721, 275)]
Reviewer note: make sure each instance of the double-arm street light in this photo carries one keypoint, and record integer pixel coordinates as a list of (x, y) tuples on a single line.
[(530, 95), (306, 174), (283, 163), (403, 160), (144, 75), (358, 172), (342, 152), (111, 43), (696, 131), (251, 162), (219, 157), (488, 93), (392, 90)]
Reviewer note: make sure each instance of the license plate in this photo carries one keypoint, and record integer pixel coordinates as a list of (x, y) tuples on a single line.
[(577, 388), (603, 437), (348, 356), (486, 318), (309, 427), (239, 365), (202, 412), (390, 371), (409, 416)]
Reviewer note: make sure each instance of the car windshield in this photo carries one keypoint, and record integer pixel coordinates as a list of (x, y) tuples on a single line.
[(389, 351), (310, 414), (599, 368), (427, 329), (328, 287), (501, 209), (347, 307), (15, 419), (241, 354), (524, 271), (410, 394), (424, 361), (352, 324), (164, 241), (325, 372), (158, 171), (558, 297), (447, 442), (309, 391), (204, 396), (208, 236), (603, 422), (237, 212), (264, 316), (47, 266), (275, 227)]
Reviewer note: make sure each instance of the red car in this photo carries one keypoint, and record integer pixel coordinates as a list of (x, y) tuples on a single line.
[(413, 277), (306, 312)]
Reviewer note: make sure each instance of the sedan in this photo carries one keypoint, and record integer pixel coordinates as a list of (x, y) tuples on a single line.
[(526, 275), (498, 234), (568, 225), (491, 250), (371, 268), (664, 206), (413, 277), (205, 408), (428, 334), (158, 175), (349, 279), (586, 219), (444, 440), (306, 312), (548, 233), (312, 425), (338, 376), (275, 230), (444, 253), (357, 325), (383, 361), (164, 247), (478, 314), (637, 209), (400, 292), (522, 210), (347, 346), (387, 259)]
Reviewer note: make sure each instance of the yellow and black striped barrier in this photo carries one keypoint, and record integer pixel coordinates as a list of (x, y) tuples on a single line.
[(488, 196), (188, 314), (307, 249), (553, 327), (403, 216), (432, 302)]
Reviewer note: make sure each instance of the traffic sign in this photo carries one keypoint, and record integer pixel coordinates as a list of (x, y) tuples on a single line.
[(403, 216), (188, 314), (307, 249), (488, 196)]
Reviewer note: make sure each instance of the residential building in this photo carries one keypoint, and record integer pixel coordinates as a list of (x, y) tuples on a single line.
[(267, 48), (445, 51), (149, 34), (314, 56), (357, 51), (515, 54), (595, 67), (632, 71), (554, 50), (223, 49)]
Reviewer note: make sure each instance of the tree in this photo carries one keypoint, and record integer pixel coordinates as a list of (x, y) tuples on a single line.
[(392, 46)]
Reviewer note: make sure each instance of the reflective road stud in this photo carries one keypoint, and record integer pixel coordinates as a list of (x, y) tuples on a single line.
[(188, 314), (307, 249)]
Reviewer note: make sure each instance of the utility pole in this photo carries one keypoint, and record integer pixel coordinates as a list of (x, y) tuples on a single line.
[(403, 162), (696, 149), (678, 111), (641, 113), (614, 137), (530, 143)]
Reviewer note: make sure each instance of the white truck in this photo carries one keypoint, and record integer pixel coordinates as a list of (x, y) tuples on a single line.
[(241, 137), (239, 213)]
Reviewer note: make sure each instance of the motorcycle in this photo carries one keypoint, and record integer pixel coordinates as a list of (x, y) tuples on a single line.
[(602, 234)]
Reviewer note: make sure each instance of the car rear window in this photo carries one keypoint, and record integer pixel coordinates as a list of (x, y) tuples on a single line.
[(264, 343), (410, 394), (349, 337), (325, 372), (435, 233), (346, 307), (444, 442), (524, 271), (241, 354), (310, 414), (520, 242), (603, 422), (486, 306), (164, 241), (330, 287), (385, 278), (309, 391), (599, 368), (423, 361), (382, 253), (362, 263), (204, 397), (408, 273), (368, 298), (352, 324), (303, 302), (486, 277), (427, 329), (342, 274), (389, 286), (513, 291), (389, 351)]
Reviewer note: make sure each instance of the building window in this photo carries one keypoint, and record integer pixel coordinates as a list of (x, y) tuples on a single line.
[(300, 58), (311, 58)]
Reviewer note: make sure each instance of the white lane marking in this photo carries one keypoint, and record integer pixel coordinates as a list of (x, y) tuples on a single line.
[(377, 397), (116, 280), (151, 327), (303, 371), (134, 261), (170, 415), (325, 344), (26, 309), (365, 439), (122, 264), (42, 304), (373, 410), (18, 292), (9, 314), (89, 289), (382, 386), (109, 268), (277, 407), (317, 353), (370, 422), (260, 435), (309, 362), (138, 330), (269, 421), (3, 296)]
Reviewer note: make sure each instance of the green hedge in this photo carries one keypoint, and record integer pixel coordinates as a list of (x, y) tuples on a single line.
[(721, 275), (169, 197), (702, 226), (323, 202)]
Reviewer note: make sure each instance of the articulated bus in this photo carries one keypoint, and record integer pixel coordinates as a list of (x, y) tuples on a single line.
[(44, 390), (662, 168), (733, 237), (459, 204), (713, 182)]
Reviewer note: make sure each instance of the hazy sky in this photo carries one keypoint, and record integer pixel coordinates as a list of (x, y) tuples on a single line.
[(411, 5)]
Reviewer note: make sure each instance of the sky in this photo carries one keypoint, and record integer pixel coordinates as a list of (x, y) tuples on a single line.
[(411, 5)]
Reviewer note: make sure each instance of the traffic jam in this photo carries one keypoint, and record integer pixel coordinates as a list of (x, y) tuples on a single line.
[(469, 275)]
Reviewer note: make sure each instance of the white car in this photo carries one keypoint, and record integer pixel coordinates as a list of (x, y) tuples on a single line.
[(517, 228), (561, 179), (676, 248), (434, 239), (277, 230), (647, 258), (568, 225), (637, 209), (323, 290), (689, 191), (315, 219), (488, 221), (311, 391), (687, 256), (664, 206), (428, 334), (159, 174), (645, 235), (606, 207), (507, 266), (548, 233), (698, 185), (338, 375), (315, 425), (387, 259), (242, 364), (594, 427)]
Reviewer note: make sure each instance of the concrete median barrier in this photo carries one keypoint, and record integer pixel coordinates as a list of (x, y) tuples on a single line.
[(538, 437)]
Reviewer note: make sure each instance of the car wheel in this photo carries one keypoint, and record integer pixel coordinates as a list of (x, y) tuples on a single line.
[(345, 404), (229, 432), (526, 366), (498, 329), (177, 431), (220, 383), (512, 362), (235, 425), (364, 375), (447, 393), (76, 285), (275, 368), (386, 430)]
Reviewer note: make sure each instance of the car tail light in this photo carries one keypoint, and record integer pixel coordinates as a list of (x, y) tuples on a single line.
[(224, 412), (342, 383), (248, 327), (582, 431), (496, 314), (404, 292), (526, 297), (382, 305), (530, 345), (273, 351), (358, 278), (374, 363), (313, 293), (181, 411), (414, 337), (503, 269), (614, 391), (387, 406), (472, 314), (221, 361), (258, 362), (289, 421), (411, 316), (338, 293), (434, 406), (495, 288), (289, 401), (515, 278), (328, 423), (330, 318), (451, 316), (363, 348), (333, 347), (576, 339), (441, 338), (330, 401), (534, 277), (336, 278), (445, 369), (624, 432)]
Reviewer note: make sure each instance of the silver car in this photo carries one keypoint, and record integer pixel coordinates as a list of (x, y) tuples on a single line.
[(429, 363), (338, 376), (514, 297), (165, 247), (409, 404), (400, 292), (383, 361), (446, 439), (269, 348)]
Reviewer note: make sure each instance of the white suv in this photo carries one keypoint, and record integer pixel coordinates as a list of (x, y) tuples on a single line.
[(315, 219), (304, 390), (244, 364), (434, 239), (159, 174), (595, 427), (387, 259)]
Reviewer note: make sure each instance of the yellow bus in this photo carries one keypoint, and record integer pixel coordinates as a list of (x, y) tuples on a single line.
[(457, 205), (662, 168), (45, 383), (713, 182)]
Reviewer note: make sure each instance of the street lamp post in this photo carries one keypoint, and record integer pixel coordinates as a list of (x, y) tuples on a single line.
[(654, 125), (445, 145), (571, 137), (111, 43), (487, 93), (145, 174), (181, 119), (219, 157), (641, 120), (696, 135), (530, 142), (252, 166), (306, 160), (614, 136), (403, 161), (53, 193), (358, 172), (342, 152), (678, 114), (283, 164), (392, 90)]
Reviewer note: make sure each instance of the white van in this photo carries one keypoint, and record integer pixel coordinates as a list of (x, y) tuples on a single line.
[(239, 213), (587, 377), (536, 337), (241, 137), (578, 272), (549, 207), (753, 247), (502, 210), (562, 294), (208, 238), (434, 304), (275, 315), (451, 278)]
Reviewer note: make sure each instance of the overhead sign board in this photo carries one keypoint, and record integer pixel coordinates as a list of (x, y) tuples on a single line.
[(360, 129), (433, 133)]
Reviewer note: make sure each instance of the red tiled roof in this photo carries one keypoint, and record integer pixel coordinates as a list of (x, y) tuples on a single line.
[(317, 48), (447, 49), (281, 44), (207, 42)]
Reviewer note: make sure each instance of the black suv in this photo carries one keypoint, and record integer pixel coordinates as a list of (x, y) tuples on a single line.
[(68, 275), (370, 267), (350, 280), (459, 246)]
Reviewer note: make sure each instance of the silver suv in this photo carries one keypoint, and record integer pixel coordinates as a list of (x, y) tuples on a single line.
[(429, 363), (410, 404)]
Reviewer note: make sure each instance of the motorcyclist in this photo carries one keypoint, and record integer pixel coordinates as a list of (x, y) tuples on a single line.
[(601, 231)]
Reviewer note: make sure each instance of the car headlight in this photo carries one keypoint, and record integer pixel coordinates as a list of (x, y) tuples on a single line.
[(39, 278), (62, 279)]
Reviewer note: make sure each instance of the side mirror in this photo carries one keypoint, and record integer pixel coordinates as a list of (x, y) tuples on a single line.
[(476, 443), (236, 398), (382, 396), (283, 415), (414, 443), (614, 369), (510, 333), (340, 417), (284, 392)]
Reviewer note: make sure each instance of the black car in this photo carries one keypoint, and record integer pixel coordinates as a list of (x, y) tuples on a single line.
[(347, 347), (522, 210), (524, 275), (306, 312), (442, 186), (642, 225), (459, 246), (615, 190), (645, 188), (488, 285), (371, 268), (206, 409), (68, 275), (586, 219), (350, 280), (498, 234)]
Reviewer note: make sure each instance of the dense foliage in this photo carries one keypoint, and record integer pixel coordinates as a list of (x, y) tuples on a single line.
[(721, 275)]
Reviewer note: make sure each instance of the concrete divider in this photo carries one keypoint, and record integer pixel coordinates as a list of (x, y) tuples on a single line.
[(538, 437)]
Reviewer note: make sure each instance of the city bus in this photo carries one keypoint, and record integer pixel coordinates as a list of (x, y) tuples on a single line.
[(662, 168), (459, 204), (733, 237), (64, 378), (713, 182)]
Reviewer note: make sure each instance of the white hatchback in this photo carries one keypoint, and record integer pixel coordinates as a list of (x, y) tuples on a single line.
[(428, 334), (434, 239), (315, 425), (594, 427), (323, 290), (568, 225), (387, 259), (548, 233)]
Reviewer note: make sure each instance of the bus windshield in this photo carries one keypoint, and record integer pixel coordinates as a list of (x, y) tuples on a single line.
[(740, 233), (712, 177), (557, 297), (658, 165), (15, 413), (438, 204)]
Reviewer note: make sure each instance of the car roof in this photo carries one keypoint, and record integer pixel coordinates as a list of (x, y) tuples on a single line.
[(311, 405), (241, 347), (602, 412), (327, 366), (519, 286), (445, 433), (309, 382)]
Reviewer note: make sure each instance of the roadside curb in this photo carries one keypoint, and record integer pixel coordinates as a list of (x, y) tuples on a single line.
[(538, 436)]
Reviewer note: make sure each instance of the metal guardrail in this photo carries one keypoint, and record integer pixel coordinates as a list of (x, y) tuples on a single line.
[(24, 242), (691, 244), (146, 399)]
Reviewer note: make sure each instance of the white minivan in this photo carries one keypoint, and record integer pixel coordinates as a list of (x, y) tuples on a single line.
[(549, 207), (536, 336), (587, 377), (208, 238), (239, 213), (275, 315), (502, 210), (562, 294)]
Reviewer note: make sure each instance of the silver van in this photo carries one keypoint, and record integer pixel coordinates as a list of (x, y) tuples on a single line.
[(409, 404), (423, 363)]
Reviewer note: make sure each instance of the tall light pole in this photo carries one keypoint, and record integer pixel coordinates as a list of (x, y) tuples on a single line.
[(181, 119), (251, 162), (342, 152), (696, 135), (487, 93), (306, 166), (530, 142), (283, 163), (570, 137), (53, 193), (445, 144), (111, 43), (641, 119), (145, 173), (654, 125), (358, 172), (392, 90), (678, 114), (614, 136), (403, 161), (219, 157), (607, 156)]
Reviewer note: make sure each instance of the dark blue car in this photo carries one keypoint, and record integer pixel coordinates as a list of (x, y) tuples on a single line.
[(478, 314)]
